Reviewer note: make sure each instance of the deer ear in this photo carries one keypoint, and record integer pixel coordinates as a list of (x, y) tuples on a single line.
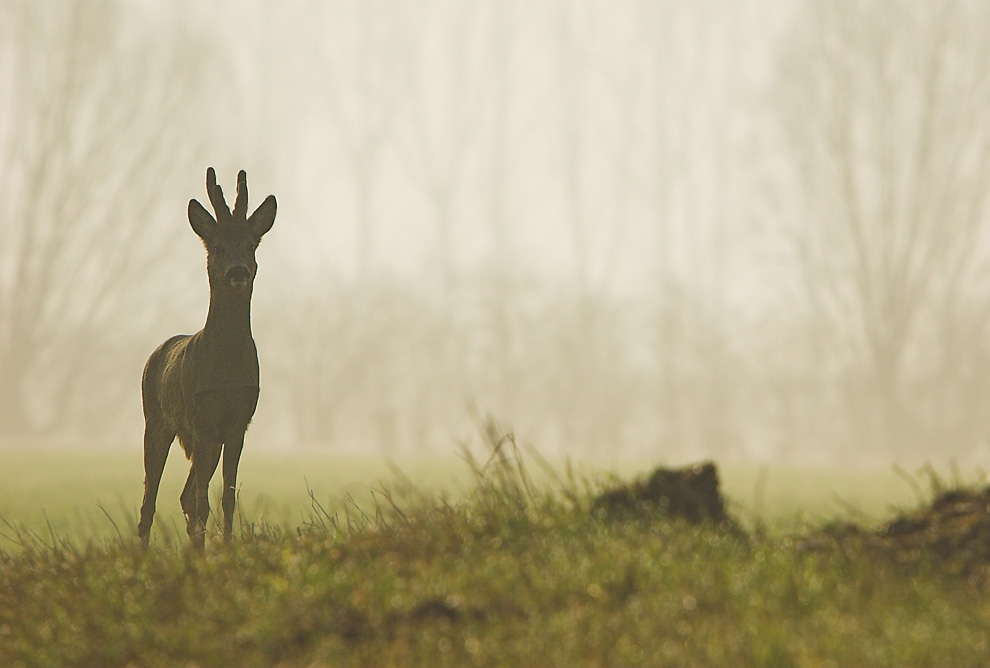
[(263, 217), (201, 221)]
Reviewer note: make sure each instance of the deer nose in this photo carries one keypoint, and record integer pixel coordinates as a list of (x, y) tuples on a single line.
[(238, 276)]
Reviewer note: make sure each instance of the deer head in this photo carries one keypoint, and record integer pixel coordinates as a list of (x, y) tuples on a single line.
[(232, 237)]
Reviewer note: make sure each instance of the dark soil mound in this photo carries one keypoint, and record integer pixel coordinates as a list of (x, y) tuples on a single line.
[(956, 525), (954, 529), (690, 493)]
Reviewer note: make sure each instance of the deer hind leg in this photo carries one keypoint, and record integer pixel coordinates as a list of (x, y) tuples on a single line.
[(195, 496), (157, 442), (231, 457)]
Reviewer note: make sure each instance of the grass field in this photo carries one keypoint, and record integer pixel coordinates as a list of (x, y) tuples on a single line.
[(69, 490), (73, 491), (509, 568)]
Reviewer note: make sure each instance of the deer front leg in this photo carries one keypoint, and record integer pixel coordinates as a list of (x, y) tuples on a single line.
[(157, 441), (196, 494), (231, 457)]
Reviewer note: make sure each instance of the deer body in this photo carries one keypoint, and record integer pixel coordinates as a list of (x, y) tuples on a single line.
[(204, 387)]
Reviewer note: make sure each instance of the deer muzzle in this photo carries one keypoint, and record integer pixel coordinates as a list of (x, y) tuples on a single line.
[(238, 277)]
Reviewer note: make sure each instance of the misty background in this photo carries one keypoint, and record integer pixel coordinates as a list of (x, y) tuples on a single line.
[(634, 228)]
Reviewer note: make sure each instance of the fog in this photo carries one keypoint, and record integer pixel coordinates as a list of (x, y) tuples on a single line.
[(750, 231)]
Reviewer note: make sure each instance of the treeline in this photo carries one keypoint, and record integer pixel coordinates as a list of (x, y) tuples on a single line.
[(722, 228)]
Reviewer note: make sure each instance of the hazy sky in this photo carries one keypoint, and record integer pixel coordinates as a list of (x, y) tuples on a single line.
[(435, 74), (752, 227)]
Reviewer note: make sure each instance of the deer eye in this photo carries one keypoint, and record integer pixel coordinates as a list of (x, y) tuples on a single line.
[(219, 249)]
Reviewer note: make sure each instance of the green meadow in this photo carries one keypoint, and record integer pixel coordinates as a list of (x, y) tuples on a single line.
[(457, 561), (82, 494)]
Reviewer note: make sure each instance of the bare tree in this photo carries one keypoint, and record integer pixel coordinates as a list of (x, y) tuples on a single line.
[(670, 106), (361, 69), (882, 109), (443, 95), (88, 135), (573, 79)]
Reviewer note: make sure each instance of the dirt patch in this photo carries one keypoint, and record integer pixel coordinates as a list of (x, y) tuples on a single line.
[(690, 493), (954, 529), (956, 524)]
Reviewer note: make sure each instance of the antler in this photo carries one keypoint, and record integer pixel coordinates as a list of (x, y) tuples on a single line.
[(240, 204), (216, 197)]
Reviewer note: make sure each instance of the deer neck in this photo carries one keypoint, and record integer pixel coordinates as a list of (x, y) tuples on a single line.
[(228, 322)]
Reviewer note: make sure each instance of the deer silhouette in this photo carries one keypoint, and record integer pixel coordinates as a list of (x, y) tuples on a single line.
[(204, 387)]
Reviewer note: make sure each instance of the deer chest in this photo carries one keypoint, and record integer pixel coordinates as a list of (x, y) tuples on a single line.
[(218, 415)]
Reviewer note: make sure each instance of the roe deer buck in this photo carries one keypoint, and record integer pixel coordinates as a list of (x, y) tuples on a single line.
[(204, 387)]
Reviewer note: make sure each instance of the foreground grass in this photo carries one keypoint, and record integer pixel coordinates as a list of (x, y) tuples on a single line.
[(516, 574)]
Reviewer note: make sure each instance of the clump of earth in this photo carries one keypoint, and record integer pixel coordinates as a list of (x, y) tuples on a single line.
[(690, 493), (956, 524), (954, 528)]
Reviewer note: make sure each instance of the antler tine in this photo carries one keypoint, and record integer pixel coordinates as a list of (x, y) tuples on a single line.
[(240, 204), (216, 197)]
